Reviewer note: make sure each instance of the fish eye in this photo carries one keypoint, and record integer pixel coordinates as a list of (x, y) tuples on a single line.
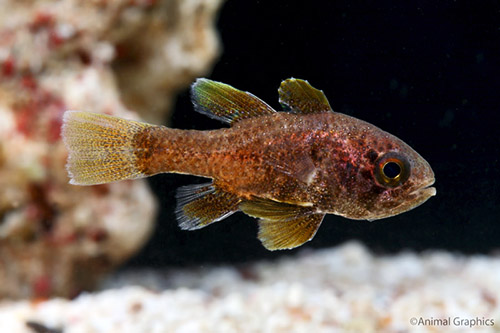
[(392, 169)]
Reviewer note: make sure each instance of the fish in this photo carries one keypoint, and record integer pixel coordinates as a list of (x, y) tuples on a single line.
[(286, 168)]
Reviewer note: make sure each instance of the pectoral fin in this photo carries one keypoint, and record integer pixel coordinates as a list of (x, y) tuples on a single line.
[(298, 96), (282, 225), (202, 204), (301, 168)]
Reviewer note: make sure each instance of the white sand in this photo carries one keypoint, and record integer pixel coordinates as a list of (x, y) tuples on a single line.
[(331, 290)]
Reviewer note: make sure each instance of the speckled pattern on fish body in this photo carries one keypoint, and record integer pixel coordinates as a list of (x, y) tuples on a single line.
[(288, 169)]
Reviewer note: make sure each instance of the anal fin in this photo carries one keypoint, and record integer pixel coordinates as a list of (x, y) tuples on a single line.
[(202, 204)]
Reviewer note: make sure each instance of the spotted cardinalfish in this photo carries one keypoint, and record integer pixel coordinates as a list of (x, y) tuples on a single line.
[(288, 169)]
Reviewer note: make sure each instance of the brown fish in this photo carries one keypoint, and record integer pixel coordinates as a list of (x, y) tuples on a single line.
[(288, 168)]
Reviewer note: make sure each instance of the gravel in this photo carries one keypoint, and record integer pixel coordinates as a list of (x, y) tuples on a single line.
[(329, 290)]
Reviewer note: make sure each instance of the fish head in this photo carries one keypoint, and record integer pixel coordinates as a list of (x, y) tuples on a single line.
[(400, 179), (391, 177)]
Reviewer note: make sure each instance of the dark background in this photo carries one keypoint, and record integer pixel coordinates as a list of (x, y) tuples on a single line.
[(426, 71)]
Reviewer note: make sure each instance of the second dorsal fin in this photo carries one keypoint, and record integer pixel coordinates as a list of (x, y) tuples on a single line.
[(298, 96), (223, 102)]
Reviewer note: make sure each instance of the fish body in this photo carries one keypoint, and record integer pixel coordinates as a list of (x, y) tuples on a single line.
[(288, 168)]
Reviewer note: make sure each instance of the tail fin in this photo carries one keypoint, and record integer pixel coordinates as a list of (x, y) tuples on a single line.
[(101, 148)]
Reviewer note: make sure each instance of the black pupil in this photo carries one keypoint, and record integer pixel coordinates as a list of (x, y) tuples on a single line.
[(391, 170)]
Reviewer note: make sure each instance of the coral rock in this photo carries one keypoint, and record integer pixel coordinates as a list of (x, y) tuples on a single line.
[(101, 56)]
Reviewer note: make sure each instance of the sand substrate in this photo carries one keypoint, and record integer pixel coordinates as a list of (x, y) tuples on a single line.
[(330, 290)]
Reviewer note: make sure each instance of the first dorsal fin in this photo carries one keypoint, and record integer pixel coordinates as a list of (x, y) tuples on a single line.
[(298, 96), (225, 103)]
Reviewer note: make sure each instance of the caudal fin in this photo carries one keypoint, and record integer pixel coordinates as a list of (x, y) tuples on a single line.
[(101, 148)]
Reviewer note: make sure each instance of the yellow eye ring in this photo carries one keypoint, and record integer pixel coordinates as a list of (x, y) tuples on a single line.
[(392, 169)]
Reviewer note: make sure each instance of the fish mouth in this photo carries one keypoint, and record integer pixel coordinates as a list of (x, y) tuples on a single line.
[(415, 199), (419, 196), (426, 191)]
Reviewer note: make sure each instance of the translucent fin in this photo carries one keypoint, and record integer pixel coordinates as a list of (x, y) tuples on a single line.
[(202, 204), (280, 235), (273, 210), (101, 147), (300, 168), (225, 103), (298, 96)]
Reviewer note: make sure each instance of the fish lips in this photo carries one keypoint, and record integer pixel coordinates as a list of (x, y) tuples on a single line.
[(422, 194), (413, 200), (426, 191)]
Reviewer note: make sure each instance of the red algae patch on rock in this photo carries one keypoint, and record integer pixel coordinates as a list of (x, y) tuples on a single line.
[(57, 239)]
